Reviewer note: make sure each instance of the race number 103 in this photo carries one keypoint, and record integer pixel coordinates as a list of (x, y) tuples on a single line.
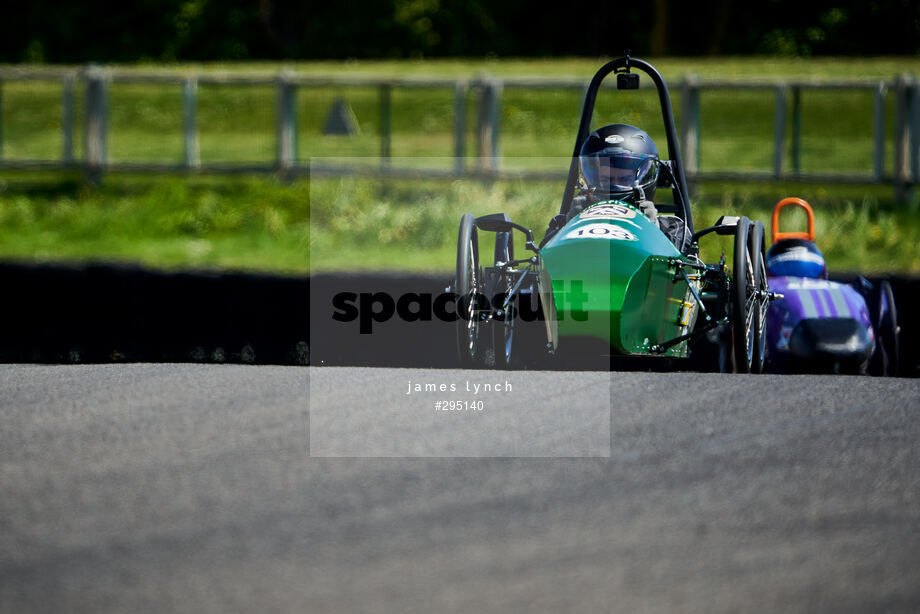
[(475, 405)]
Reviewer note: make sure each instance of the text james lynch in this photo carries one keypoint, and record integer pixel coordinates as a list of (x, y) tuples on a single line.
[(468, 386)]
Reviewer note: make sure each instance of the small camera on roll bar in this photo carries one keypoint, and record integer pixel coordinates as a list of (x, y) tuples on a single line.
[(627, 81)]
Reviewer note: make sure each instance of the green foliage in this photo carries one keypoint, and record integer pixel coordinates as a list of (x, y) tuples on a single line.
[(369, 224), (171, 30), (858, 229), (165, 222), (378, 225)]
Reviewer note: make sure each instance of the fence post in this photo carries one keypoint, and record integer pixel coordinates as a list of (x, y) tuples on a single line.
[(482, 121), (386, 124), (190, 122), (901, 139), (779, 131), (690, 124), (913, 108), (94, 143), (796, 130), (1, 119), (287, 125), (878, 131), (67, 119), (459, 127), (495, 120)]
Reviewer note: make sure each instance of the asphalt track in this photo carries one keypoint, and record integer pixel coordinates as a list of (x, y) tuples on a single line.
[(152, 488)]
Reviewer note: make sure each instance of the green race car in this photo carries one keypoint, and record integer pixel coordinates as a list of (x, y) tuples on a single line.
[(614, 268)]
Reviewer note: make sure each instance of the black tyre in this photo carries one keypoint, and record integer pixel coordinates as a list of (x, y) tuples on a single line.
[(743, 299), (467, 285), (503, 322), (885, 360), (758, 255)]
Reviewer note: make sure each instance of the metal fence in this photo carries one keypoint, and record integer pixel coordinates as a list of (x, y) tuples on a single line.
[(486, 93)]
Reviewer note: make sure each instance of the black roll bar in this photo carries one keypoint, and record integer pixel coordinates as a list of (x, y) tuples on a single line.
[(681, 195)]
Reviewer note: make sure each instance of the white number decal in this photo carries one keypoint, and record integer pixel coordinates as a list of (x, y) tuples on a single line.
[(601, 231)]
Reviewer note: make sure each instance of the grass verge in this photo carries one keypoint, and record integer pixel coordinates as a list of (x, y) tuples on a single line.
[(370, 224)]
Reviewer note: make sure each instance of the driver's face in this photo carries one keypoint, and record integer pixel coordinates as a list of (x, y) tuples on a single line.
[(610, 175)]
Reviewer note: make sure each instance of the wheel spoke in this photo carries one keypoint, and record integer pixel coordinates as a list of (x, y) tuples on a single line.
[(749, 304), (472, 322)]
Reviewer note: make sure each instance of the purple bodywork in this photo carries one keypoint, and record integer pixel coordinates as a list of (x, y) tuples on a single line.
[(819, 324)]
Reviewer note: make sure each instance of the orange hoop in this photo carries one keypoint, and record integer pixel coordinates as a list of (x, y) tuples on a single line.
[(776, 235)]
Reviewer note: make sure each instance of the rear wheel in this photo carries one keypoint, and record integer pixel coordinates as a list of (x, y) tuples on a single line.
[(503, 323), (744, 299), (757, 253), (885, 360), (467, 286)]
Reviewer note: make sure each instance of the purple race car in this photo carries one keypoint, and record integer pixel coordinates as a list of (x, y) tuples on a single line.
[(821, 325)]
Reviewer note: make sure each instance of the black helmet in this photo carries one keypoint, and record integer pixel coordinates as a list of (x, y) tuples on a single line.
[(617, 159)]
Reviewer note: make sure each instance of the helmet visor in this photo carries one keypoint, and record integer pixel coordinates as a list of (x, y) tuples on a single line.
[(619, 171)]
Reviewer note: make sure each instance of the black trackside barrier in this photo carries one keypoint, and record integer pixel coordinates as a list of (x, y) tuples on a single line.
[(118, 313), (114, 313), (394, 341)]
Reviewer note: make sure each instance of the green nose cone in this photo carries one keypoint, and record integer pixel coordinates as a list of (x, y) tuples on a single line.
[(611, 278)]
